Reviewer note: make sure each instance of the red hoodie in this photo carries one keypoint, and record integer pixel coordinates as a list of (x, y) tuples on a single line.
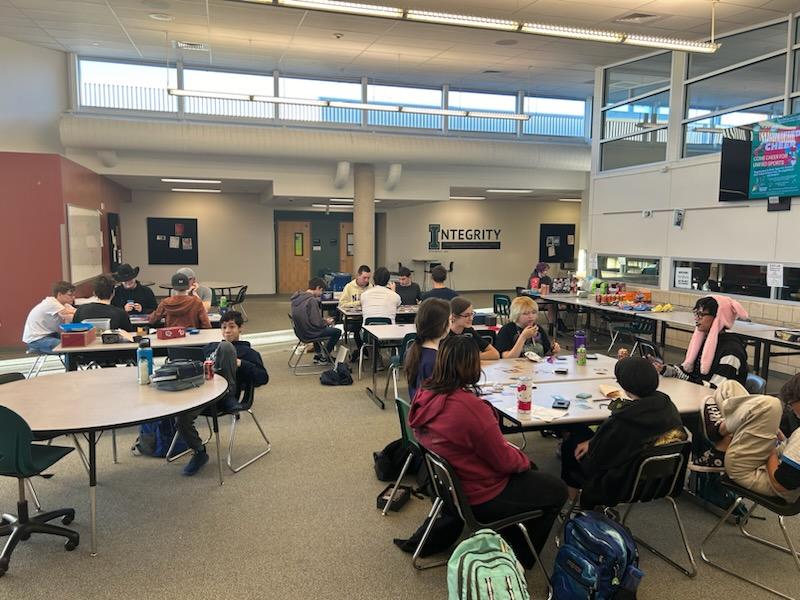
[(462, 428)]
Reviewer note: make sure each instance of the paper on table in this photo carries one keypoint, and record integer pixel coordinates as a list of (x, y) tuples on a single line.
[(610, 391), (542, 413)]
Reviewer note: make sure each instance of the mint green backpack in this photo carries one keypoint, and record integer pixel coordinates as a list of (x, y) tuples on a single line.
[(483, 567)]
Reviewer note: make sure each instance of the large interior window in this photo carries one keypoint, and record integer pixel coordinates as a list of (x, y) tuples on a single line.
[(629, 269), (481, 101), (106, 84), (739, 48), (232, 83), (636, 78)]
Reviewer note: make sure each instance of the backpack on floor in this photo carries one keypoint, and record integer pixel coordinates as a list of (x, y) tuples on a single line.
[(339, 376), (597, 560), (706, 487), (155, 438), (484, 567)]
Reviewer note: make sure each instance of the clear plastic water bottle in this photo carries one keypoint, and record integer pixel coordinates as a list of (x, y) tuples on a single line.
[(144, 361)]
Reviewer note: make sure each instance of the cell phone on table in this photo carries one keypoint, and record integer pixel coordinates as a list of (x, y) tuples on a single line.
[(591, 357), (561, 371), (561, 403)]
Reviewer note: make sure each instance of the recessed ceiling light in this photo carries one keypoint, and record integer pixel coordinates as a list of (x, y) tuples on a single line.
[(95, 43), (319, 206), (569, 200), (170, 180), (467, 197), (341, 200), (198, 190), (161, 16), (504, 191)]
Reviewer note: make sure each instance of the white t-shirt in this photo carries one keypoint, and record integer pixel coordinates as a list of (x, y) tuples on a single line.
[(43, 320), (379, 301)]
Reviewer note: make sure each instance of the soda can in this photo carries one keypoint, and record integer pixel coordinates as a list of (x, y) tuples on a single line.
[(208, 369), (524, 395)]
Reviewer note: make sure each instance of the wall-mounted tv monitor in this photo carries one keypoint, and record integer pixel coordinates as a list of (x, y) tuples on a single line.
[(734, 171)]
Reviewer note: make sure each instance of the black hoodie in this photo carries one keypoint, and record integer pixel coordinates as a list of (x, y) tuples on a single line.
[(618, 444)]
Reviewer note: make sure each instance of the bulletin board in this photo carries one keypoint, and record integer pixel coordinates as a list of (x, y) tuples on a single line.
[(171, 241), (85, 236), (556, 243)]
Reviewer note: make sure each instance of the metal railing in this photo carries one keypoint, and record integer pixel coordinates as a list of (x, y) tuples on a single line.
[(126, 97)]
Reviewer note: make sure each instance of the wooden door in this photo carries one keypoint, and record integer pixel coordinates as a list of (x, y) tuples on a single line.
[(294, 256), (345, 253)]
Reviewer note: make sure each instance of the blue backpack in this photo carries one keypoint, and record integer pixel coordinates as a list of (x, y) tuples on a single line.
[(156, 436), (597, 560), (484, 567)]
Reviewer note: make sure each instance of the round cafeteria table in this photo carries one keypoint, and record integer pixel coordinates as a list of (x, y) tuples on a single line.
[(94, 400)]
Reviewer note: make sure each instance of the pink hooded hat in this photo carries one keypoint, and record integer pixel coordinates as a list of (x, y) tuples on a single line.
[(727, 312)]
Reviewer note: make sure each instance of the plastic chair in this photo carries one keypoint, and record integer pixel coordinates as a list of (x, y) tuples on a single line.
[(21, 458), (659, 474), (501, 306), (39, 361), (370, 321), (777, 506), (449, 493), (646, 348), (299, 351), (409, 442), (396, 362), (755, 384), (238, 302), (636, 328)]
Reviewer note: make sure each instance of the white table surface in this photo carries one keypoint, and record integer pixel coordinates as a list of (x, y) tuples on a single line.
[(387, 333), (403, 309), (507, 370)]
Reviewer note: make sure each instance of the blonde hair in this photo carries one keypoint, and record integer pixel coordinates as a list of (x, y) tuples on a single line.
[(522, 304)]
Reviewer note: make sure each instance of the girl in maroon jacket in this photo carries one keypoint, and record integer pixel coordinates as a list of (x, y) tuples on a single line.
[(498, 479)]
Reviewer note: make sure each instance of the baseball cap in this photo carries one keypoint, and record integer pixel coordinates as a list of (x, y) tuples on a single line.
[(188, 272), (180, 282)]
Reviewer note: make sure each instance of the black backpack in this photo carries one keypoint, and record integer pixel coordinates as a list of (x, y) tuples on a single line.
[(338, 376)]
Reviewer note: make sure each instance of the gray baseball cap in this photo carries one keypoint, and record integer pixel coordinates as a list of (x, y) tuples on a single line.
[(188, 272)]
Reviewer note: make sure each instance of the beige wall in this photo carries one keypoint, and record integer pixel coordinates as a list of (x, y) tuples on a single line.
[(235, 236), (407, 238), (33, 94)]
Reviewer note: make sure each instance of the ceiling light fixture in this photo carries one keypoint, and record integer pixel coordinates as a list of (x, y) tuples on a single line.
[(353, 8), (199, 190), (653, 41), (504, 191), (570, 200), (207, 181), (341, 200), (467, 197), (461, 20), (161, 17), (575, 33), (198, 94), (319, 206)]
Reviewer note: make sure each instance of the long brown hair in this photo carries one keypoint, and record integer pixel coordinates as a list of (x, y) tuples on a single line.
[(458, 366), (431, 322)]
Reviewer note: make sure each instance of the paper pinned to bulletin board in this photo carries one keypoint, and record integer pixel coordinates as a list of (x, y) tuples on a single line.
[(557, 242)]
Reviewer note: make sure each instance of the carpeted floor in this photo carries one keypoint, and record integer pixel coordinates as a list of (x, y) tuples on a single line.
[(301, 522)]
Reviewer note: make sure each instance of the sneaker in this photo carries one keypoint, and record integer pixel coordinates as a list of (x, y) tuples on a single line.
[(319, 360), (199, 459), (710, 461), (712, 419)]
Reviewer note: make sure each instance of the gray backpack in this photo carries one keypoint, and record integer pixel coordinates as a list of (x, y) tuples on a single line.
[(179, 375)]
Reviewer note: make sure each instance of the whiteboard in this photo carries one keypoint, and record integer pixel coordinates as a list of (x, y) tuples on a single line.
[(85, 233)]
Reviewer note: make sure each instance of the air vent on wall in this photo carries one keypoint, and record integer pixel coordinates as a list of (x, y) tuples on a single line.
[(197, 46), (637, 17)]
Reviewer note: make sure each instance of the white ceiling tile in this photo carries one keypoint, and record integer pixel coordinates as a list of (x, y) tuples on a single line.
[(570, 10)]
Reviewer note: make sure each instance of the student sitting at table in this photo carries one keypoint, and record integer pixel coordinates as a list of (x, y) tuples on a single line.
[(461, 314), (783, 464), (103, 308), (432, 323), (181, 309), (351, 294), (409, 292), (308, 320), (380, 300), (600, 463), (240, 365), (521, 334), (41, 332), (498, 479), (539, 276), (439, 290), (713, 355), (195, 289), (131, 295)]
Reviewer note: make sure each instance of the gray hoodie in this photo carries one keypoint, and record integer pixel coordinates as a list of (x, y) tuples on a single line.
[(307, 315)]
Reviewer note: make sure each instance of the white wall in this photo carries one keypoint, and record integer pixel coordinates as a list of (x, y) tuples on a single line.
[(235, 236), (33, 94), (502, 269), (735, 231)]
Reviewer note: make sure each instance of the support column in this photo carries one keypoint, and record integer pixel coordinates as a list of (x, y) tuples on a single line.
[(364, 215)]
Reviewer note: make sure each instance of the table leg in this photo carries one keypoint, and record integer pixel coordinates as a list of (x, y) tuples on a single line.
[(215, 428), (555, 323), (757, 356), (663, 337), (371, 392), (92, 437), (765, 355)]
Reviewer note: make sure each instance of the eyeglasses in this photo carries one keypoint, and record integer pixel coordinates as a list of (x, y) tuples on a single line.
[(698, 314), (468, 315)]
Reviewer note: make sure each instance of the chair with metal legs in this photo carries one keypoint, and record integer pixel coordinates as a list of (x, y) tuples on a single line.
[(659, 474), (39, 361), (775, 505), (409, 442), (299, 351), (364, 334), (396, 363)]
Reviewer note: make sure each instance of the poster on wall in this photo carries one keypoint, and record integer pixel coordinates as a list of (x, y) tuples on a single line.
[(171, 241), (683, 277)]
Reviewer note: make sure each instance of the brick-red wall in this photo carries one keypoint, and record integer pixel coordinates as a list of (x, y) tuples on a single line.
[(34, 192)]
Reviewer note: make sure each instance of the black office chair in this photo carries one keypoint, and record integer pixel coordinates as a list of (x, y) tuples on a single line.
[(21, 458), (659, 474), (185, 354), (238, 302), (299, 351), (777, 506), (755, 384), (450, 494)]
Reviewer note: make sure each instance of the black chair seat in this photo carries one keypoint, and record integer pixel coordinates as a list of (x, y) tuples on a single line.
[(42, 457), (775, 504)]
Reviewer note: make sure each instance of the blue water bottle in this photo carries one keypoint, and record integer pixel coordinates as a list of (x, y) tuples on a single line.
[(578, 340), (144, 361)]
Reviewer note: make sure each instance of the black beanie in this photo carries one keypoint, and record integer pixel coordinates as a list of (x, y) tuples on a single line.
[(637, 376)]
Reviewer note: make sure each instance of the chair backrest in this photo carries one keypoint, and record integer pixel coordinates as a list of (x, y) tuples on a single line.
[(15, 444), (450, 269), (519, 290), (646, 348), (755, 384), (641, 325), (408, 339), (247, 393), (240, 295), (659, 472), (406, 433), (447, 486), (9, 377), (377, 321), (185, 354), (501, 305)]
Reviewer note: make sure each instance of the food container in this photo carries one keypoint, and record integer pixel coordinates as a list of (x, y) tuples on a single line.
[(169, 333), (524, 395), (75, 339)]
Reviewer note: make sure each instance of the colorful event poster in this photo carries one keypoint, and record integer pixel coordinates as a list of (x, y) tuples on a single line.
[(774, 168)]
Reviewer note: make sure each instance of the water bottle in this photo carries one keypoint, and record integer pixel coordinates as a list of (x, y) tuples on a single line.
[(144, 361), (223, 305), (581, 356), (578, 340)]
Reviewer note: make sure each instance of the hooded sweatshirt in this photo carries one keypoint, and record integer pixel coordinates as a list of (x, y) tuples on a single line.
[(462, 429), (619, 442), (307, 315), (181, 311)]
